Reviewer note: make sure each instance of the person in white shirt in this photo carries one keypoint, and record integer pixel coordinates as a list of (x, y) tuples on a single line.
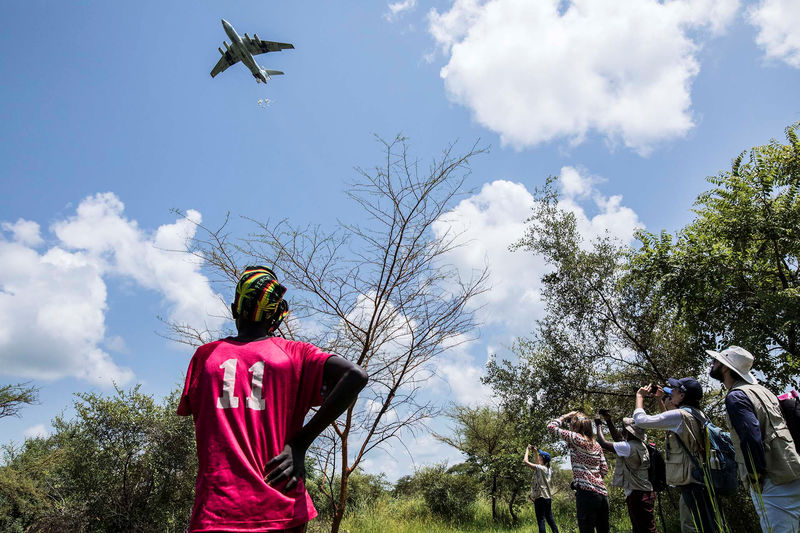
[(684, 437), (631, 470)]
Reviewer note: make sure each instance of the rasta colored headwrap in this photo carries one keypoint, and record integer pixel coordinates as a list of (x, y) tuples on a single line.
[(259, 296)]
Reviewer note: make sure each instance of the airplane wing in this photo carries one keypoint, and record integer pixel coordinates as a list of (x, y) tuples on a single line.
[(224, 62), (257, 46)]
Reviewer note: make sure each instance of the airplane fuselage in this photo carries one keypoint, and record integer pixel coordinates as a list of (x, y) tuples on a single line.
[(238, 47)]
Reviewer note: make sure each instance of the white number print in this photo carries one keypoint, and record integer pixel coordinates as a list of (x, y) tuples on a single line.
[(228, 400), (255, 401)]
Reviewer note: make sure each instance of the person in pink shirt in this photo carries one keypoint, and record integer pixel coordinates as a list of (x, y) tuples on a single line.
[(249, 396)]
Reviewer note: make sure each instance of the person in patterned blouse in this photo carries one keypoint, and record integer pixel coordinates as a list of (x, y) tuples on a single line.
[(588, 468)]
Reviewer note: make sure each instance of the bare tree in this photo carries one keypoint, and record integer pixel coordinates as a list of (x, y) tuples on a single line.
[(378, 292)]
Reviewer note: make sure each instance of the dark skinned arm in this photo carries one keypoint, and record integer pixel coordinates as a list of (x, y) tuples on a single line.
[(613, 430), (343, 381), (601, 440)]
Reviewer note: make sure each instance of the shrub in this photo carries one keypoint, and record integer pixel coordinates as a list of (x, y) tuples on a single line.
[(450, 496)]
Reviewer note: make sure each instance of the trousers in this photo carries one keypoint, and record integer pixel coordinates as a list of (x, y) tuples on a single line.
[(778, 507), (640, 509), (544, 514), (702, 515), (592, 511)]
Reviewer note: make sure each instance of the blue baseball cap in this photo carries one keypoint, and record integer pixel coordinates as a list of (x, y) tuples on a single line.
[(545, 455), (689, 386)]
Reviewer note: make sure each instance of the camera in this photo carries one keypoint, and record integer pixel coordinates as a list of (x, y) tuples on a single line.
[(603, 412), (653, 388)]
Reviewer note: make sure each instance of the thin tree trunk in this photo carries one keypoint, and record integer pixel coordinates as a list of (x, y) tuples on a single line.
[(340, 508), (494, 498), (511, 506)]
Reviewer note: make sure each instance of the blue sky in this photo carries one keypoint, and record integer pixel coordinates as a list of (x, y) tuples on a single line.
[(110, 120)]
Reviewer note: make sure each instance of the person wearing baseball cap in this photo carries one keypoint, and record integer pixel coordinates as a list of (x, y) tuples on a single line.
[(680, 402), (248, 396), (540, 489), (765, 451), (630, 473)]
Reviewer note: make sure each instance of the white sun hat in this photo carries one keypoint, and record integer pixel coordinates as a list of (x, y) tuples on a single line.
[(737, 359)]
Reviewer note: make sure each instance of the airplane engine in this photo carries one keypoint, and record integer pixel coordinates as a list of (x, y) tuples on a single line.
[(226, 45), (255, 37), (220, 51), (246, 37)]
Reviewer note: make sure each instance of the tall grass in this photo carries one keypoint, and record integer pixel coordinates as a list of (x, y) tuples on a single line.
[(410, 515)]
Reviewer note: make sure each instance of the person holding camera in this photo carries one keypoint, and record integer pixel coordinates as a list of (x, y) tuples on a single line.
[(696, 507), (630, 472), (588, 468), (540, 489), (765, 451)]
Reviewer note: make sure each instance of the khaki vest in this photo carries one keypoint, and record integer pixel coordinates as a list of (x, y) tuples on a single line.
[(540, 487), (678, 464), (630, 473), (783, 462)]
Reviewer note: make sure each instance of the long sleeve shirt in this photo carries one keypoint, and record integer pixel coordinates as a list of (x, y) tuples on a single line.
[(743, 419), (669, 420), (587, 458)]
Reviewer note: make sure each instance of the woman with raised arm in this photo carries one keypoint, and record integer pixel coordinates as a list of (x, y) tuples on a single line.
[(588, 468), (540, 489)]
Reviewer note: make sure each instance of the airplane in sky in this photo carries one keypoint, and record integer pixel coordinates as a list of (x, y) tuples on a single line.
[(243, 50)]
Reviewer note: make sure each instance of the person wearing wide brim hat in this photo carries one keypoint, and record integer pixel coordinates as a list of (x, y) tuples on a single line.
[(739, 360), (631, 471), (765, 451)]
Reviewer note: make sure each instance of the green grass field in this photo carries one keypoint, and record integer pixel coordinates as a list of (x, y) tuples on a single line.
[(393, 515)]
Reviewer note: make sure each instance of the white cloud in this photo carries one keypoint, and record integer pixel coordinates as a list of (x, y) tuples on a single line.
[(35, 432), (400, 7), (555, 69), (53, 304), (611, 216), (464, 379), (491, 221), (494, 219), (778, 23), (573, 183), (25, 232)]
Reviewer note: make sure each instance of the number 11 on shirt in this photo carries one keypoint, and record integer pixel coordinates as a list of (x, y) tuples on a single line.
[(255, 401)]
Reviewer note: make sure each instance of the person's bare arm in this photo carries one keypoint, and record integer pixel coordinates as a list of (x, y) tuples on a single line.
[(612, 429), (526, 460), (344, 380), (601, 440)]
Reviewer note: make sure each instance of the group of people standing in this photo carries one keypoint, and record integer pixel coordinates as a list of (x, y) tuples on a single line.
[(766, 455)]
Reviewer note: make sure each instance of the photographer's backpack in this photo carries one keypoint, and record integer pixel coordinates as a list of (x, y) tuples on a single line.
[(790, 408), (720, 456), (657, 471)]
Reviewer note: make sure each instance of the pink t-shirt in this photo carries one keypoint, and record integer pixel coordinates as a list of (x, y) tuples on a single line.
[(248, 400)]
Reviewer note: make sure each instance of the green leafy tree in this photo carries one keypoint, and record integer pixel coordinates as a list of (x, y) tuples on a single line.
[(493, 447), (14, 397), (124, 463), (606, 330), (448, 493), (732, 275)]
